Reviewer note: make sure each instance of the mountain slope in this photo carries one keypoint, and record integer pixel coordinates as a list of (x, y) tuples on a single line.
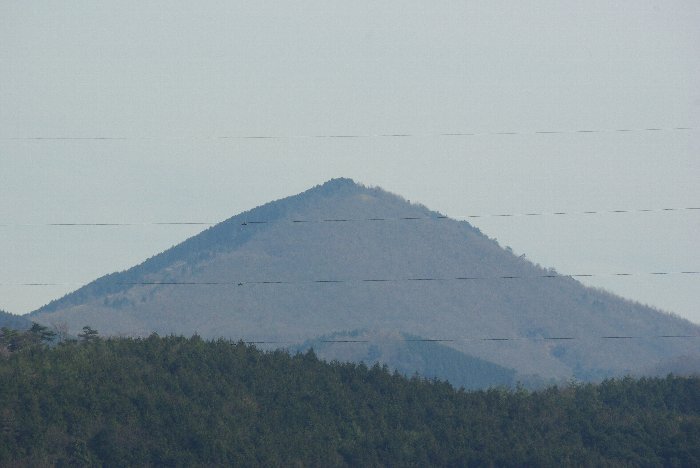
[(265, 245), (410, 354), (15, 322)]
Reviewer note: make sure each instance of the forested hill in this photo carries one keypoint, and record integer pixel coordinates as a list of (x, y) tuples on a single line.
[(183, 402), (13, 321)]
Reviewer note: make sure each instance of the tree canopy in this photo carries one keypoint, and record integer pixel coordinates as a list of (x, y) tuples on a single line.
[(187, 401)]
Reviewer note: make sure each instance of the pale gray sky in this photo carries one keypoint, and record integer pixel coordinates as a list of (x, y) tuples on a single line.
[(173, 77)]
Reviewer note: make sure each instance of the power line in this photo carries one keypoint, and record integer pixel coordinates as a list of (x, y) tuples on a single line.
[(364, 280), (374, 219), (346, 136), (494, 339), (452, 134), (471, 339), (469, 216), (68, 224)]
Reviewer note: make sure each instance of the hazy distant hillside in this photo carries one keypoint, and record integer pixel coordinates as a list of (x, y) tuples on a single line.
[(681, 365), (409, 355), (13, 321), (244, 250)]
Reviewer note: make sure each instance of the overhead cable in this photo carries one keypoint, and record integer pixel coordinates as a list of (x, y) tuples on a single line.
[(470, 339), (364, 280), (345, 136), (255, 221)]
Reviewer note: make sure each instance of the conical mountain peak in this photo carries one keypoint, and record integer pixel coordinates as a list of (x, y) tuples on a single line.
[(340, 187), (339, 257), (338, 184)]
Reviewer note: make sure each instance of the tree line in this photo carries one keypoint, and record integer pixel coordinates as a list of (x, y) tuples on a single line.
[(187, 401)]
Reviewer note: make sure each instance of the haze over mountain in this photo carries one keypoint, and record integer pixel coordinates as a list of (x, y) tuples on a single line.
[(242, 261), (411, 355), (16, 322)]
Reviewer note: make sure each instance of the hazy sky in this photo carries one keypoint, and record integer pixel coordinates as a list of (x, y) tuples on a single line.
[(171, 78)]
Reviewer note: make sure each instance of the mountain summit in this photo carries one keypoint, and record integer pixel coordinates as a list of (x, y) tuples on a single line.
[(342, 257)]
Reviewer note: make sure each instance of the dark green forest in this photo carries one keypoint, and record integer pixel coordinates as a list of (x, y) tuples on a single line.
[(178, 401)]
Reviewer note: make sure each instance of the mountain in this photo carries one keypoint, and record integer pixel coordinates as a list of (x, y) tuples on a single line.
[(256, 277), (16, 322)]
